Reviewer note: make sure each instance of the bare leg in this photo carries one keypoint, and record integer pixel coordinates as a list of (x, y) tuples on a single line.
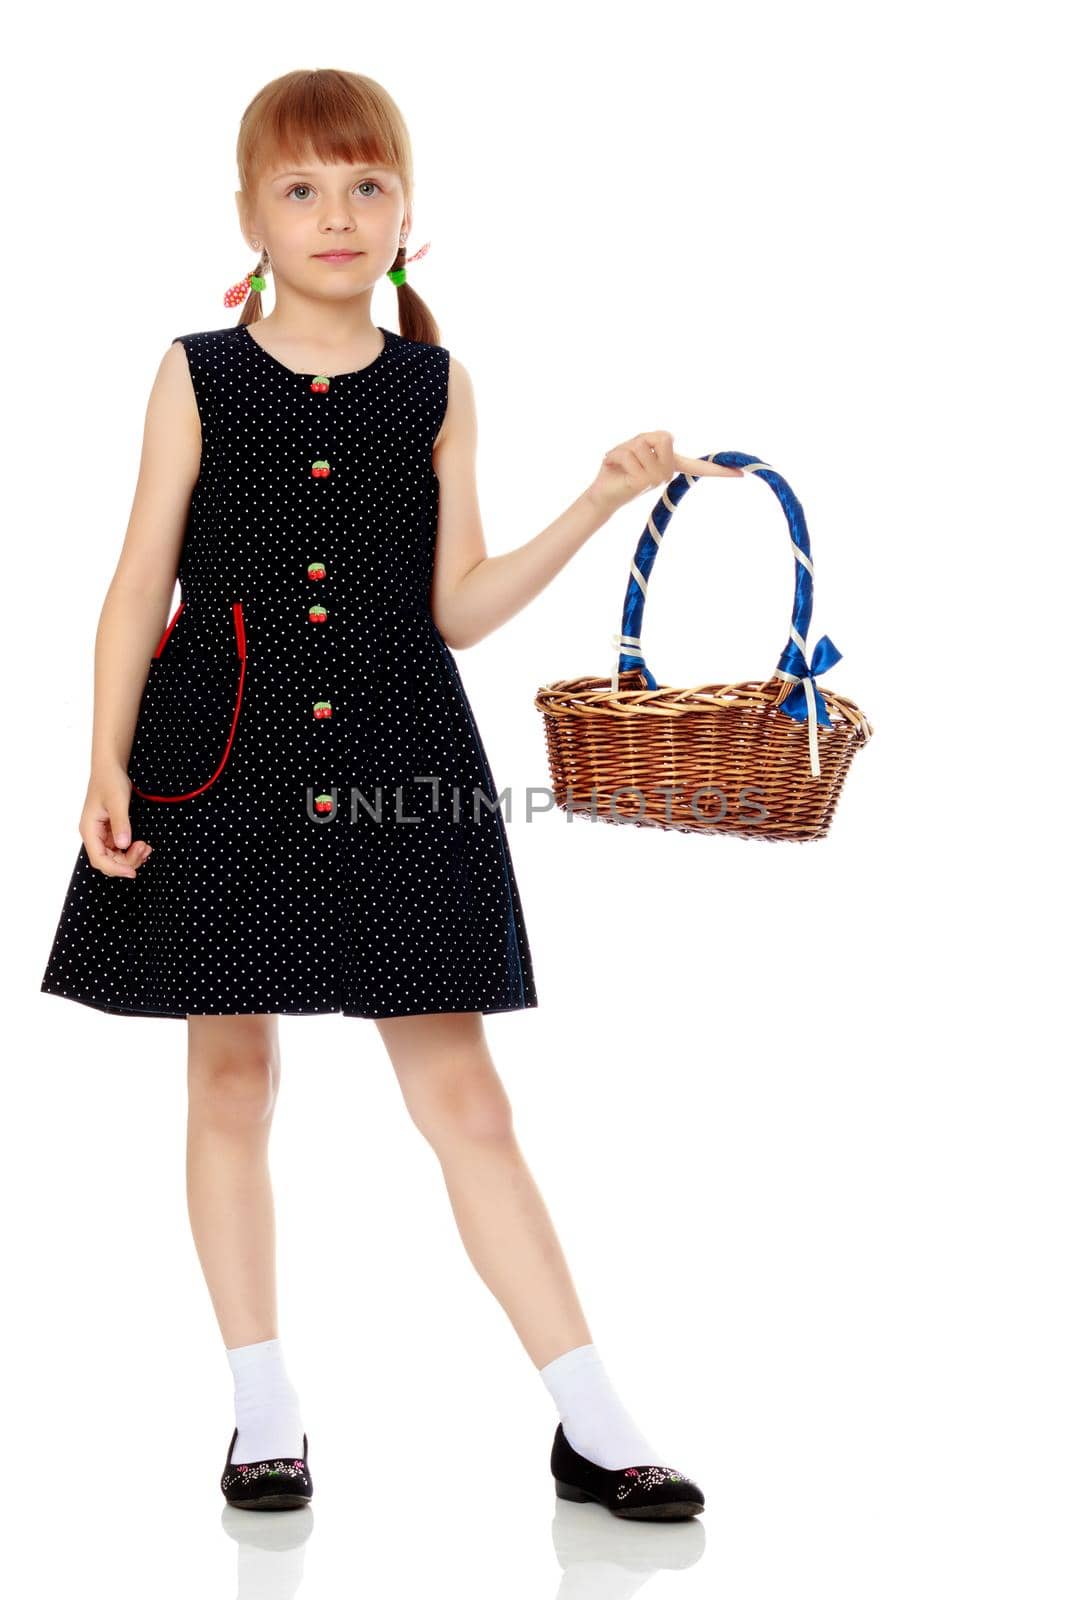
[(456, 1100), (234, 1075)]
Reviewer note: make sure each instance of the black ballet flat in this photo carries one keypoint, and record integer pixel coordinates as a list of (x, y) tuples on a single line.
[(280, 1485), (647, 1493)]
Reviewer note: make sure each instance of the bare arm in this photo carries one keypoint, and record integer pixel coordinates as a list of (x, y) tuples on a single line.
[(134, 611), (473, 592)]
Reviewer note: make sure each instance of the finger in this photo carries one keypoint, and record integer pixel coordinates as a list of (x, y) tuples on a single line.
[(664, 448), (653, 440), (659, 442), (105, 854), (629, 461), (119, 865), (109, 862), (653, 465), (120, 823), (707, 469), (134, 855)]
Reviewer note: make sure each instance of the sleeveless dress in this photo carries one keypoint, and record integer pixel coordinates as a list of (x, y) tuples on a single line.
[(327, 835)]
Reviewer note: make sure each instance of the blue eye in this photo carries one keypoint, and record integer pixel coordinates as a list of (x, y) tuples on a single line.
[(364, 181)]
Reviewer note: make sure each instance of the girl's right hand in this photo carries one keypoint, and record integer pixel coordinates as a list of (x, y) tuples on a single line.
[(645, 462), (105, 826)]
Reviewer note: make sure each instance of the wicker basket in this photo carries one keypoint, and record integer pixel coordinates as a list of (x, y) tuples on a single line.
[(760, 760)]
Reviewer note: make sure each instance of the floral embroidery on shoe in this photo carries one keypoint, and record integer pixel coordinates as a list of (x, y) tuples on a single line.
[(649, 1478), (248, 1471)]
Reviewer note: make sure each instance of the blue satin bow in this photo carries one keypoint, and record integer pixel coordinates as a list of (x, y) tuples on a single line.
[(793, 665)]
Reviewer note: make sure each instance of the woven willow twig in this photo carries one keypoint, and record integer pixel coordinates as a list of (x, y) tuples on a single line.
[(718, 758)]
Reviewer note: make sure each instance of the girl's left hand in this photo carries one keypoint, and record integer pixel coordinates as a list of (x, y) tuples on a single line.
[(644, 463)]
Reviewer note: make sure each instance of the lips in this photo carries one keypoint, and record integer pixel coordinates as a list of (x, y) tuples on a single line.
[(336, 255)]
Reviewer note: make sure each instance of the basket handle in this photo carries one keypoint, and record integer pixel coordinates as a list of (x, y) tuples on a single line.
[(804, 701)]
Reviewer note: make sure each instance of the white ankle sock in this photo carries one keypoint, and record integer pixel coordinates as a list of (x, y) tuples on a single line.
[(594, 1420), (266, 1404)]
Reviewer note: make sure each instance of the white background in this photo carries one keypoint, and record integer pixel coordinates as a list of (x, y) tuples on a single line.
[(797, 1111)]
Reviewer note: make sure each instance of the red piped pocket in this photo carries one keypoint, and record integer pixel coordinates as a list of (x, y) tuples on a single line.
[(188, 714)]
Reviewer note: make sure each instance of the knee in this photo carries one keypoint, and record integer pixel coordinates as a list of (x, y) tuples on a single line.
[(234, 1087), (461, 1105)]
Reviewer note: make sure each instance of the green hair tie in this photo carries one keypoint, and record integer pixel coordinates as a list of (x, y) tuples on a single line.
[(256, 282), (398, 275)]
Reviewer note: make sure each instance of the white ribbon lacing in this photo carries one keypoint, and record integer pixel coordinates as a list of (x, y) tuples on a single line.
[(632, 646)]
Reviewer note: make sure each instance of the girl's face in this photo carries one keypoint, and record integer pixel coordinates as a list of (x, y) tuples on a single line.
[(308, 210)]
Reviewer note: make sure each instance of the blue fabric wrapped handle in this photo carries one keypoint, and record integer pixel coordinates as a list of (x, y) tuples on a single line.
[(804, 702)]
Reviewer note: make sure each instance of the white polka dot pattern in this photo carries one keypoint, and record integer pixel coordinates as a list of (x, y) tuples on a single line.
[(300, 692)]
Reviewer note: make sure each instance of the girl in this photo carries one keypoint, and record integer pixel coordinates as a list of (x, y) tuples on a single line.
[(289, 809)]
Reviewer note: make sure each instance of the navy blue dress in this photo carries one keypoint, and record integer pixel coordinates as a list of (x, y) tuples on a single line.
[(306, 763)]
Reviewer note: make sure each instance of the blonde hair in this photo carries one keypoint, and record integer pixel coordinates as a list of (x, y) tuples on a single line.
[(339, 116)]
